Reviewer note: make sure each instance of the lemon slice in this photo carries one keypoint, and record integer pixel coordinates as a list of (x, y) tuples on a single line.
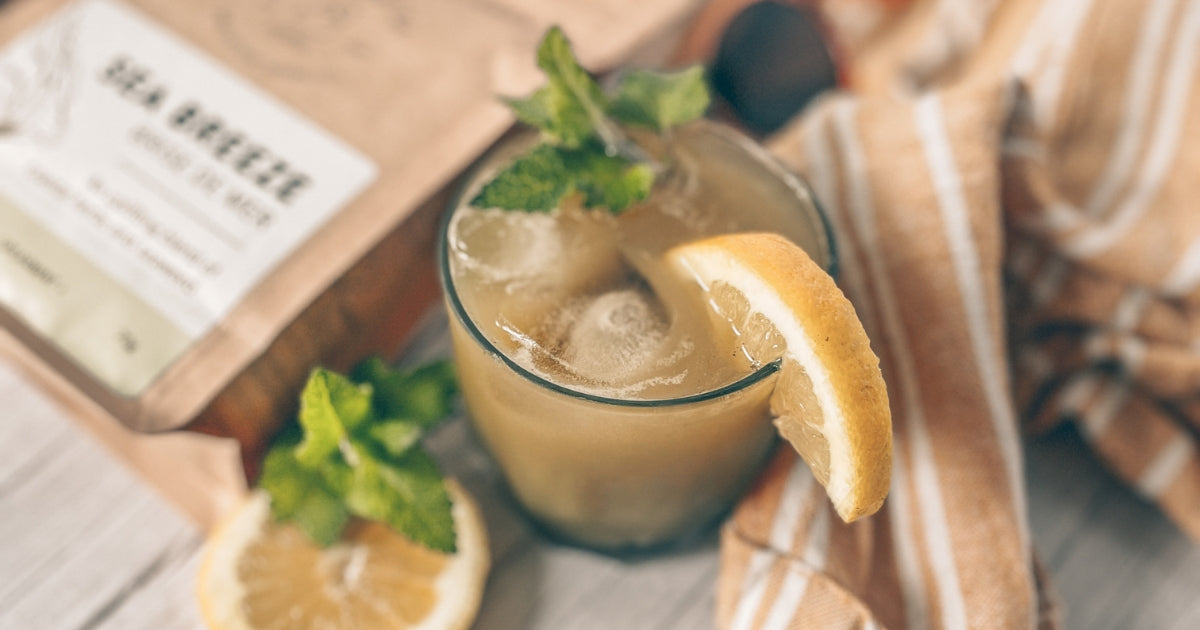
[(258, 575), (830, 401)]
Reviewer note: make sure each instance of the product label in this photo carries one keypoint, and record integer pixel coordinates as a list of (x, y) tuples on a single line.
[(145, 189)]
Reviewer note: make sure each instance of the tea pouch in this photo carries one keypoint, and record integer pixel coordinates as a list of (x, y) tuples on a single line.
[(201, 201)]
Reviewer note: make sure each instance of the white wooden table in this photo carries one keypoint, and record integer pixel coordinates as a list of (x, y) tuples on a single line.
[(84, 544)]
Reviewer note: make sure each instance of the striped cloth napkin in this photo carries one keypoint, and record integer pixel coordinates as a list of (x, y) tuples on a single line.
[(1013, 186)]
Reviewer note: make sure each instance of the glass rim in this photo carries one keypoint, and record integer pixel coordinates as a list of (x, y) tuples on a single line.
[(791, 179)]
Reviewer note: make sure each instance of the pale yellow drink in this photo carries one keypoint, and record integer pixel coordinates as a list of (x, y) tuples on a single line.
[(591, 373)]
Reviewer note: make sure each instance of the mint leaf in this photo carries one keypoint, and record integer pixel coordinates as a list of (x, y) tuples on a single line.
[(356, 451), (300, 494), (407, 494), (539, 180), (581, 102), (408, 402), (543, 109), (352, 401), (284, 478), (429, 396), (423, 395), (584, 149), (660, 100), (396, 436), (570, 108), (608, 181), (330, 405), (535, 182), (322, 516), (557, 113), (426, 514)]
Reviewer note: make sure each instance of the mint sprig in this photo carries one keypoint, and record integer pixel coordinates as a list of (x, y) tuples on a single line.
[(355, 451), (570, 108), (584, 149), (660, 100)]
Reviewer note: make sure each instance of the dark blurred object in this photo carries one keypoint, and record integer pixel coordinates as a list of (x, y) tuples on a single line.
[(771, 61)]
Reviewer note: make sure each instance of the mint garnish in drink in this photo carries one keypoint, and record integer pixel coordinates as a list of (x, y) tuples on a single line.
[(584, 147), (355, 452)]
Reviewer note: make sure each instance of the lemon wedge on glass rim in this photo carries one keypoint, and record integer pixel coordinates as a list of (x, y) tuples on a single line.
[(258, 574), (830, 401)]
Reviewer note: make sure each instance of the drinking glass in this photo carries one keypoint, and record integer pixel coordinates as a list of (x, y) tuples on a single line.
[(620, 473)]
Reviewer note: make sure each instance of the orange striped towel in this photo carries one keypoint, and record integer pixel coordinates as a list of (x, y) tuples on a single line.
[(1013, 187)]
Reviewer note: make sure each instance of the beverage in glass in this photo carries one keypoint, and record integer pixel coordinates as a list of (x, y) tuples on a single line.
[(596, 377)]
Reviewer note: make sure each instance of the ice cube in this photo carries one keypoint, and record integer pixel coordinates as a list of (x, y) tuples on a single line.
[(614, 335), (591, 257), (564, 251), (501, 247)]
